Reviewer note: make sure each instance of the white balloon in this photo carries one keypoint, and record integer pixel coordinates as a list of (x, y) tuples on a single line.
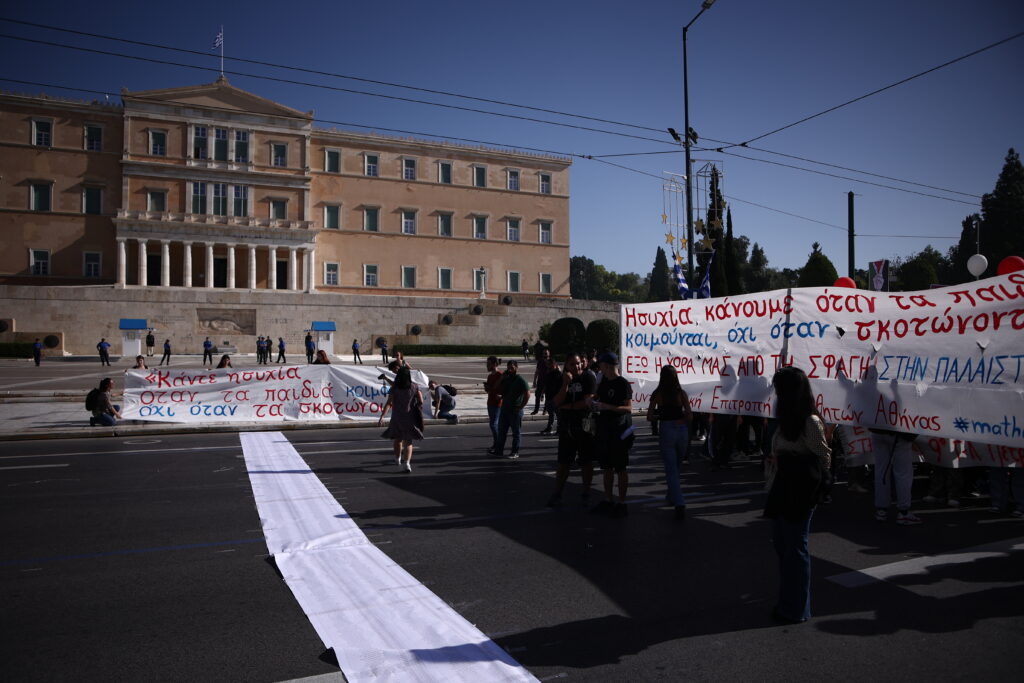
[(977, 264)]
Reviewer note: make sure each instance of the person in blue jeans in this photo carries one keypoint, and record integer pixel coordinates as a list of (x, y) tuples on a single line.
[(672, 407), (104, 348), (491, 386), (515, 394), (798, 464), (105, 413)]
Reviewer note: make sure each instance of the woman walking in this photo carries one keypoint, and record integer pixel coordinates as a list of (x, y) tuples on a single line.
[(799, 460), (406, 426), (670, 406)]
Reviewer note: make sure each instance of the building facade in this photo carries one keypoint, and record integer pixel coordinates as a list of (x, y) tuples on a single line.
[(215, 188)]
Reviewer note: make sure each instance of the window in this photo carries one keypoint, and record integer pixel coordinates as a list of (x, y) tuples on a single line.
[(278, 209), (93, 138), (220, 199), (480, 227), (444, 224), (40, 197), (332, 217), (332, 161), (39, 261), (409, 222), (92, 200), (513, 179), (408, 169), (241, 200), (279, 155), (331, 274), (199, 198), (545, 232), (158, 143), (370, 164), (370, 275), (371, 219), (513, 281), (409, 277), (545, 283), (241, 149), (157, 200), (42, 133), (480, 176), (513, 230), (199, 142), (444, 278), (220, 144), (478, 279), (444, 172), (545, 183), (91, 264)]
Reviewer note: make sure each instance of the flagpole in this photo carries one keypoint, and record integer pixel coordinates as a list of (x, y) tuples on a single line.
[(222, 51)]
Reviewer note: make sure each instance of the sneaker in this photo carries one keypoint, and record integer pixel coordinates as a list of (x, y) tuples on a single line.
[(1017, 513), (881, 515), (602, 508), (555, 501), (545, 432), (408, 467), (930, 499), (491, 450), (513, 455), (953, 503), (619, 511), (398, 461), (907, 518)]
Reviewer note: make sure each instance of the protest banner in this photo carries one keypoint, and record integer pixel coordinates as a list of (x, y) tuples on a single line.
[(271, 394), (942, 363)]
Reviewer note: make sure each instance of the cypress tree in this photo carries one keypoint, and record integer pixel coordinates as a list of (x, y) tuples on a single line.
[(661, 280), (818, 271)]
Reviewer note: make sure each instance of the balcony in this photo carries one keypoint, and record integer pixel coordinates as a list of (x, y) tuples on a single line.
[(209, 219)]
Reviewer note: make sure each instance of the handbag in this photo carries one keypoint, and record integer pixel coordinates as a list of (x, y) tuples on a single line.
[(588, 423)]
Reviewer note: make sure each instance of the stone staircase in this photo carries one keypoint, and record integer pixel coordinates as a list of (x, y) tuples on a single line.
[(437, 333)]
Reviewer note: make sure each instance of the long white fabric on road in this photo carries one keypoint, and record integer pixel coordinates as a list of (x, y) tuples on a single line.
[(381, 622)]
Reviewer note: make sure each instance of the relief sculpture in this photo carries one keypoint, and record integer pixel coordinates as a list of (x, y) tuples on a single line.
[(226, 321)]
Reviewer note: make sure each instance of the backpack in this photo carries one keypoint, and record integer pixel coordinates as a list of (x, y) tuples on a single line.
[(452, 391), (92, 400)]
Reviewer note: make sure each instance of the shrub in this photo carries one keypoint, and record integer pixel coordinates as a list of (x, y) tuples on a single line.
[(603, 334), (567, 334)]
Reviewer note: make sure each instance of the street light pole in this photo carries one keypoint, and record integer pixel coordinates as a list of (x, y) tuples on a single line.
[(687, 142)]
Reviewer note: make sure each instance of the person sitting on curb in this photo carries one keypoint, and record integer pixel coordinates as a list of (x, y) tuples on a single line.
[(444, 403), (104, 412)]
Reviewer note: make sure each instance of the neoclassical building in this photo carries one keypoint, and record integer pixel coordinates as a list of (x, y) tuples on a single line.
[(212, 187)]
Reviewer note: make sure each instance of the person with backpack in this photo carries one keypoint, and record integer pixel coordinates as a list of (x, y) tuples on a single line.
[(443, 399), (97, 401)]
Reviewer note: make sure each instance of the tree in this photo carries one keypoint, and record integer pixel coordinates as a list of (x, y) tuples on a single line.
[(963, 250), (660, 280), (916, 274), (818, 271), (759, 279), (715, 230), (603, 334), (732, 274), (581, 277), (1002, 214), (567, 334)]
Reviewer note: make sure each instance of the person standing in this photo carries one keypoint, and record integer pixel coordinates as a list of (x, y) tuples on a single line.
[(356, 358), (261, 351), (150, 343), (614, 404), (383, 343), (280, 351), (672, 406), (796, 473), (406, 404), (894, 465), (539, 373), (104, 348), (104, 412), (167, 353), (37, 351), (515, 396), (552, 384), (575, 442), (207, 351), (310, 349), (526, 349), (491, 386)]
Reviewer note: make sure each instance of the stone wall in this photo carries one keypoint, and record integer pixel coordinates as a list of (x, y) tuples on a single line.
[(83, 315)]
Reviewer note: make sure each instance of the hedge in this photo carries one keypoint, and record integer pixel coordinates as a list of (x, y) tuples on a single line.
[(16, 350), (459, 350)]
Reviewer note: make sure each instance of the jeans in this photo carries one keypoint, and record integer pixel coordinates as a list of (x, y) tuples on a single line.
[(673, 440), (207, 353), (893, 463), (790, 540), (549, 406), (445, 411), (1004, 482), (356, 358), (492, 422), (506, 419), (106, 419), (280, 357)]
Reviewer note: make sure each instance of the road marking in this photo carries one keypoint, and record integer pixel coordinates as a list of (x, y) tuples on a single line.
[(34, 467), (903, 573), (46, 381), (380, 621), (139, 450)]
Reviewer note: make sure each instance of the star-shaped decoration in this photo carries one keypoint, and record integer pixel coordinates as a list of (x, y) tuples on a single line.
[(717, 224), (669, 238), (698, 226), (707, 243), (677, 257), (664, 218)]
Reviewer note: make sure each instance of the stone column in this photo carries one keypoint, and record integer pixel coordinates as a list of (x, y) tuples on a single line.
[(252, 266), (310, 270), (122, 263), (292, 269), (272, 268), (165, 263), (186, 268), (143, 275), (209, 265), (231, 266)]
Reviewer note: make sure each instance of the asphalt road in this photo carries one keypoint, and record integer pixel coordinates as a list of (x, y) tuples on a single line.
[(142, 559)]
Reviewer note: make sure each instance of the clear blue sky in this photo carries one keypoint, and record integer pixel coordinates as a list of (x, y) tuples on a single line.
[(754, 66)]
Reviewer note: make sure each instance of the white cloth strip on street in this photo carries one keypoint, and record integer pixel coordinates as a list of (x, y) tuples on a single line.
[(381, 622)]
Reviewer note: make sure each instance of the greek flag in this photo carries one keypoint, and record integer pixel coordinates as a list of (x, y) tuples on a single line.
[(219, 40), (704, 291), (684, 289)]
